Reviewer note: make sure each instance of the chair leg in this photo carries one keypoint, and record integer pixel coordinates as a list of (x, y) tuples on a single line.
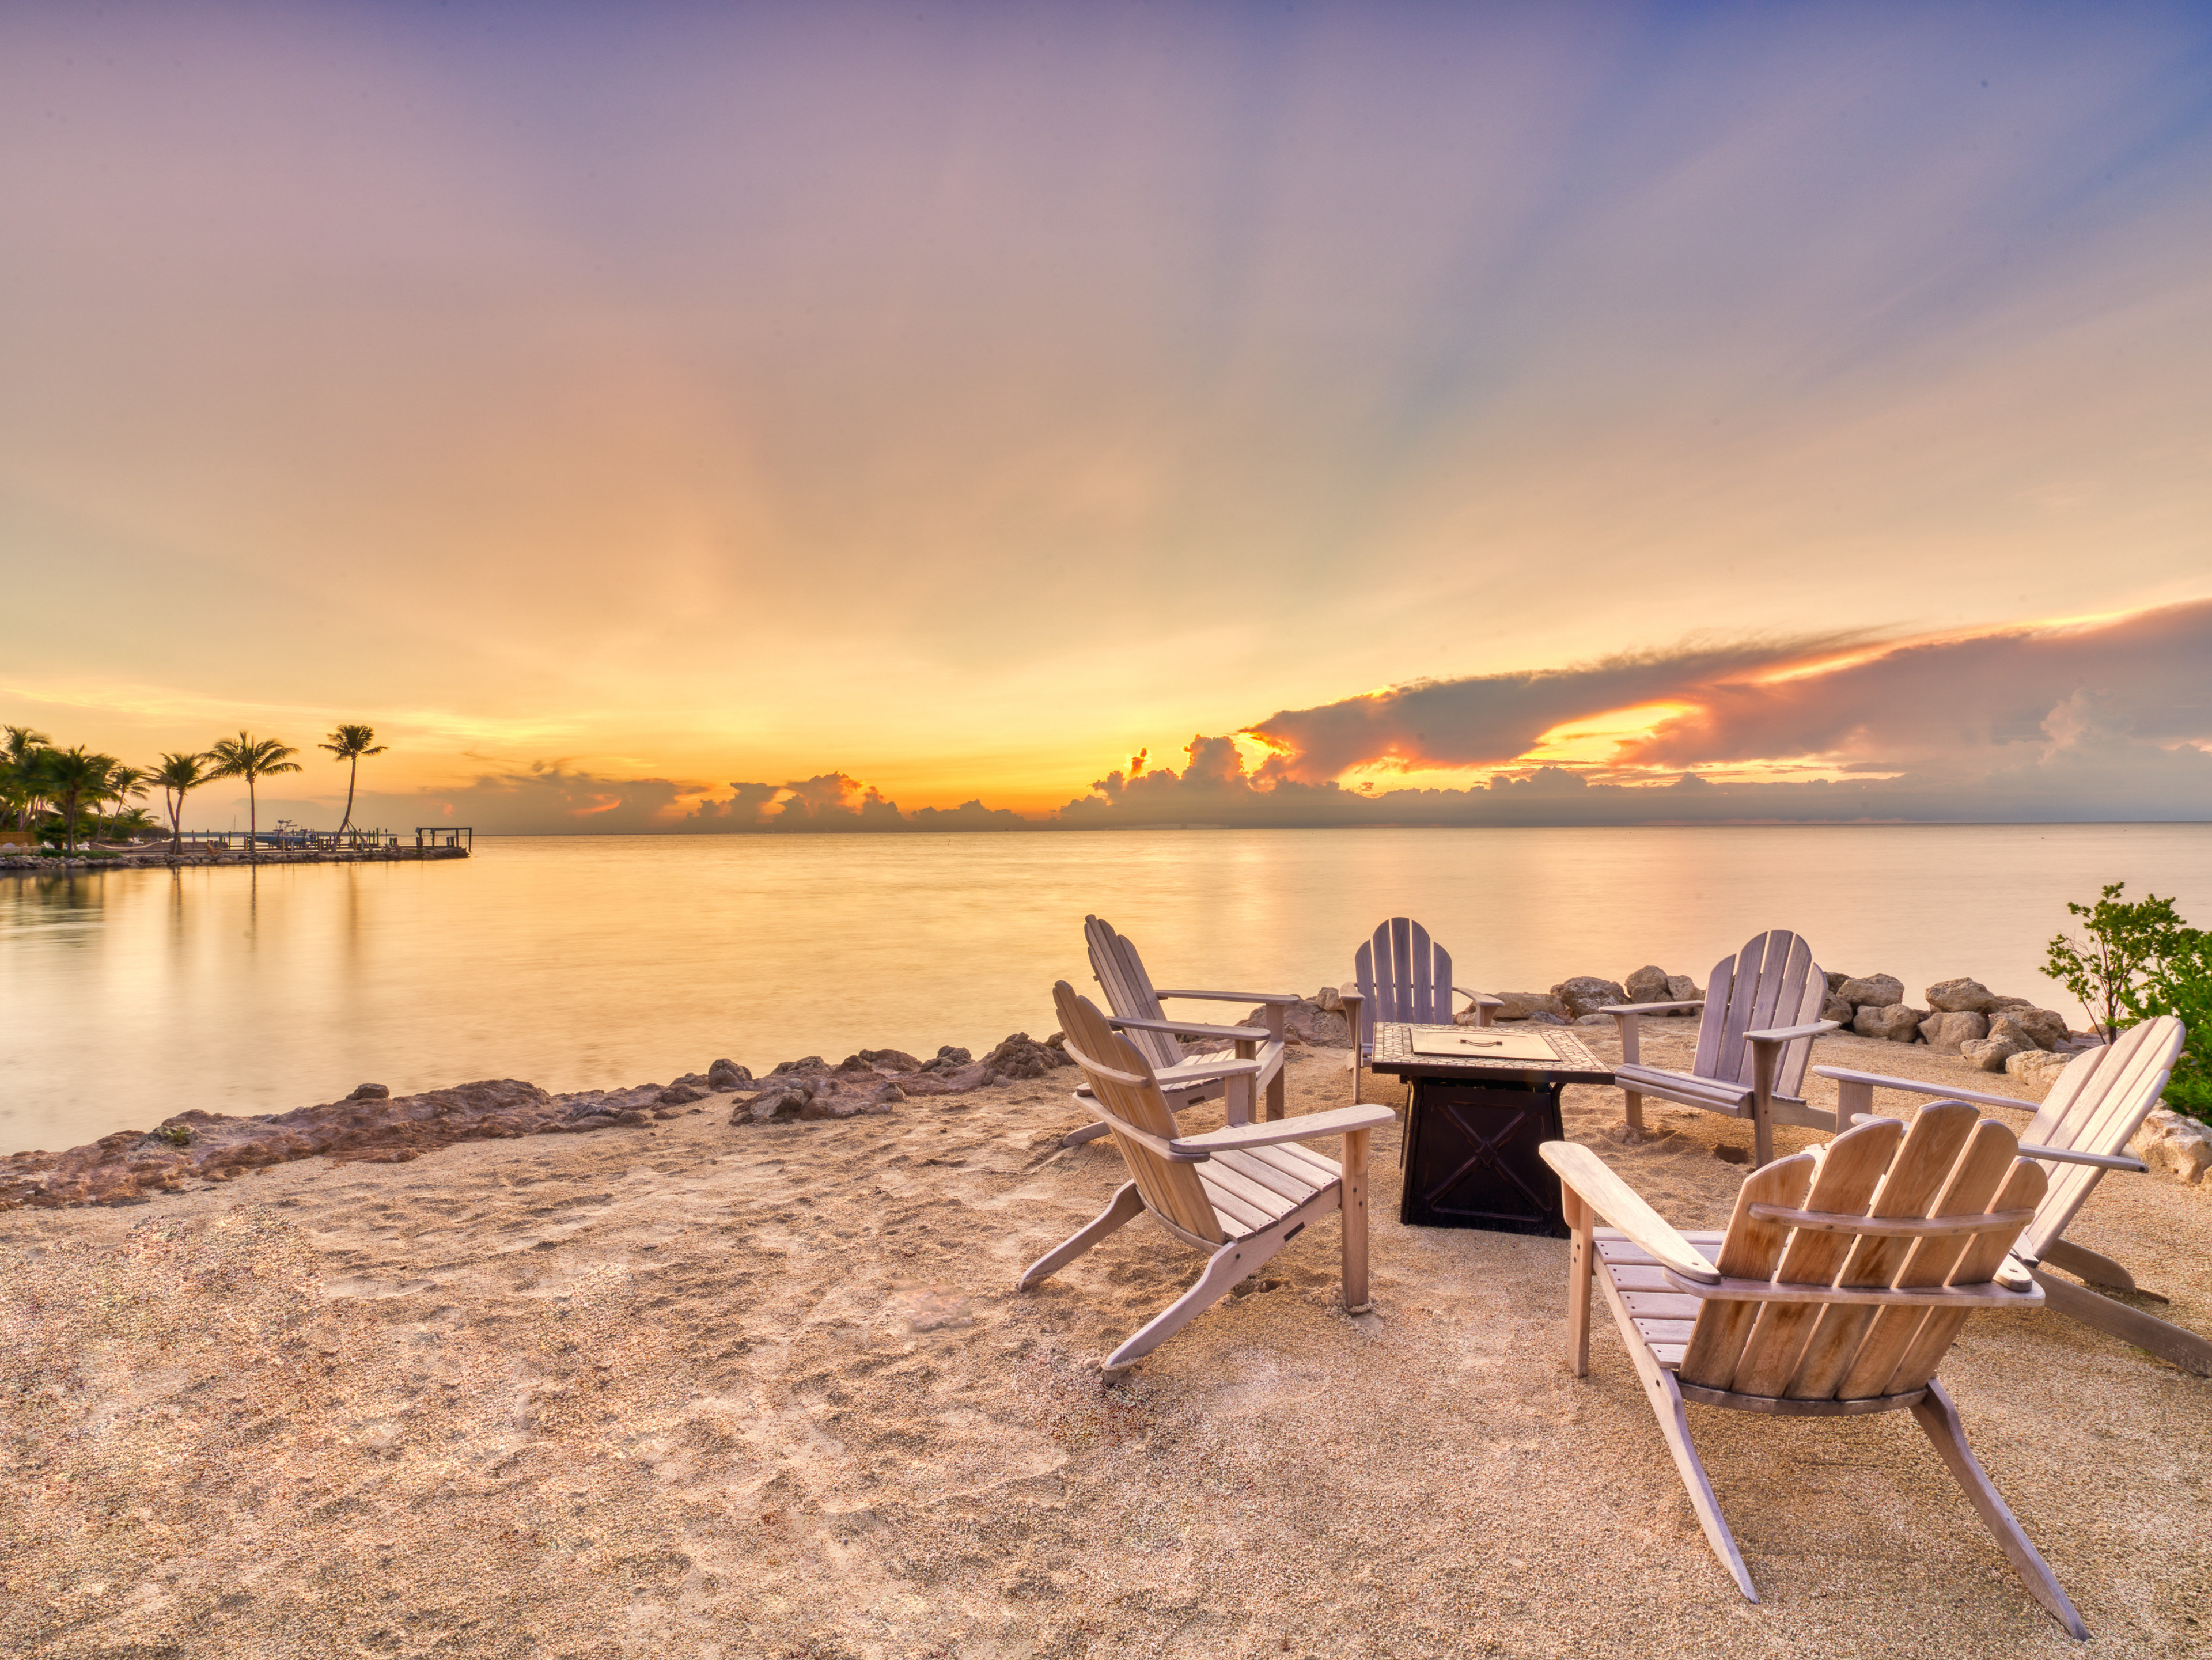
[(1675, 1426), (1940, 1419), (1852, 1098), (1353, 1201), (1223, 1271), (1126, 1206), (1762, 1058), (1229, 1264), (1582, 1253), (1666, 1398), (1635, 1116), (1091, 1132), (2095, 1267), (2145, 1331)]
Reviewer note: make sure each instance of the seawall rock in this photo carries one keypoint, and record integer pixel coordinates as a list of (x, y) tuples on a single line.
[(1960, 996), (384, 1128), (1944, 1031), (1520, 1004), (1879, 991), (1586, 993), (1900, 1023), (2182, 1148)]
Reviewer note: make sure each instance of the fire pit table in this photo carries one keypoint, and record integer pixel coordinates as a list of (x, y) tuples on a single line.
[(1484, 1100)]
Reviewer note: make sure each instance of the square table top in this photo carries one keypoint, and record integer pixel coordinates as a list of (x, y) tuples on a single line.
[(1393, 1053)]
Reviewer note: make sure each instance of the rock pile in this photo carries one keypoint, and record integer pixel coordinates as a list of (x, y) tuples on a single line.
[(1963, 1018), (2182, 1148), (373, 1125), (875, 1080)]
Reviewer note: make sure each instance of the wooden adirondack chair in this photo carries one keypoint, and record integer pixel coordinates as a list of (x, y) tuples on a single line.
[(1241, 1193), (1762, 1012), (1844, 1277), (2082, 1130), (1402, 975), (1186, 1079)]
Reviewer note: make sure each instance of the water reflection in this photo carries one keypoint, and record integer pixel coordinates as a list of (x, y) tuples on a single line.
[(610, 960)]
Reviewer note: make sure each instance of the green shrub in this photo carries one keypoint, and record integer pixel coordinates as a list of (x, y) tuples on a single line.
[(2137, 959)]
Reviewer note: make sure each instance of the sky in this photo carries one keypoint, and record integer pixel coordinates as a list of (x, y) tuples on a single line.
[(728, 418)]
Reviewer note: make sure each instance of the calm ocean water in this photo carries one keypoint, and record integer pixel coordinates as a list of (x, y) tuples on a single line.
[(593, 961)]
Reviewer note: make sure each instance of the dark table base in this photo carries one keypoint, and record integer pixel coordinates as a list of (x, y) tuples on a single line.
[(1471, 1158)]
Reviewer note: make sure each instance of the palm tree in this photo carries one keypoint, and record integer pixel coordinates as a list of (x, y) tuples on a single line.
[(73, 776), (123, 783), (349, 744), (177, 777), (20, 749), (251, 759)]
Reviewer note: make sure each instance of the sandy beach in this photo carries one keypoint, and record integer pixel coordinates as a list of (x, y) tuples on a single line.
[(691, 1389)]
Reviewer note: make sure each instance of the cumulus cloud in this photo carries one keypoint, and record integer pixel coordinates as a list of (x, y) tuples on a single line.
[(2147, 676), (1489, 719), (2110, 720)]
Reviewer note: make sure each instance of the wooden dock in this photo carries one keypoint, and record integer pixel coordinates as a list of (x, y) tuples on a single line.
[(269, 848)]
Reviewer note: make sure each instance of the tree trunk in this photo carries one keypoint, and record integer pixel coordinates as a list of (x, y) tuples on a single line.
[(353, 773)]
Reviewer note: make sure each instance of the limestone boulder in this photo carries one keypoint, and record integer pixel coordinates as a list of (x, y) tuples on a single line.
[(1021, 1055), (727, 1075), (2177, 1146), (2037, 1066), (2015, 1024), (1308, 1023), (1881, 991), (2044, 1028), (1898, 1022), (1329, 1000), (1944, 1031), (1647, 985), (1586, 993), (1520, 1004), (1838, 1010), (1836, 980), (778, 1103), (1961, 997), (1680, 988), (1991, 1053)]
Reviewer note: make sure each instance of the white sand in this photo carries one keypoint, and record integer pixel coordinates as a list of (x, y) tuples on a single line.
[(705, 1391)]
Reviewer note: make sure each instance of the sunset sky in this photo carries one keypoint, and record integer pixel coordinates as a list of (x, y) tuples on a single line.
[(634, 411)]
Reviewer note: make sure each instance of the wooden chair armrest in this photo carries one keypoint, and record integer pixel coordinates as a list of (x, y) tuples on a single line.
[(1593, 1179), (1914, 1086), (1312, 1127), (2068, 1156), (1649, 1008), (1235, 1034), (1235, 996), (1787, 1034), (1480, 997)]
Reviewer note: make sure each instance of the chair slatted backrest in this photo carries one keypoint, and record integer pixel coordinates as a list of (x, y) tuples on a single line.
[(1122, 1082), (1402, 974), (1129, 989), (1772, 981), (2097, 1105), (1950, 1163)]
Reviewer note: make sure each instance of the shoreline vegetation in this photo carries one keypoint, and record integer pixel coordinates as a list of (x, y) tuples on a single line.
[(74, 794)]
